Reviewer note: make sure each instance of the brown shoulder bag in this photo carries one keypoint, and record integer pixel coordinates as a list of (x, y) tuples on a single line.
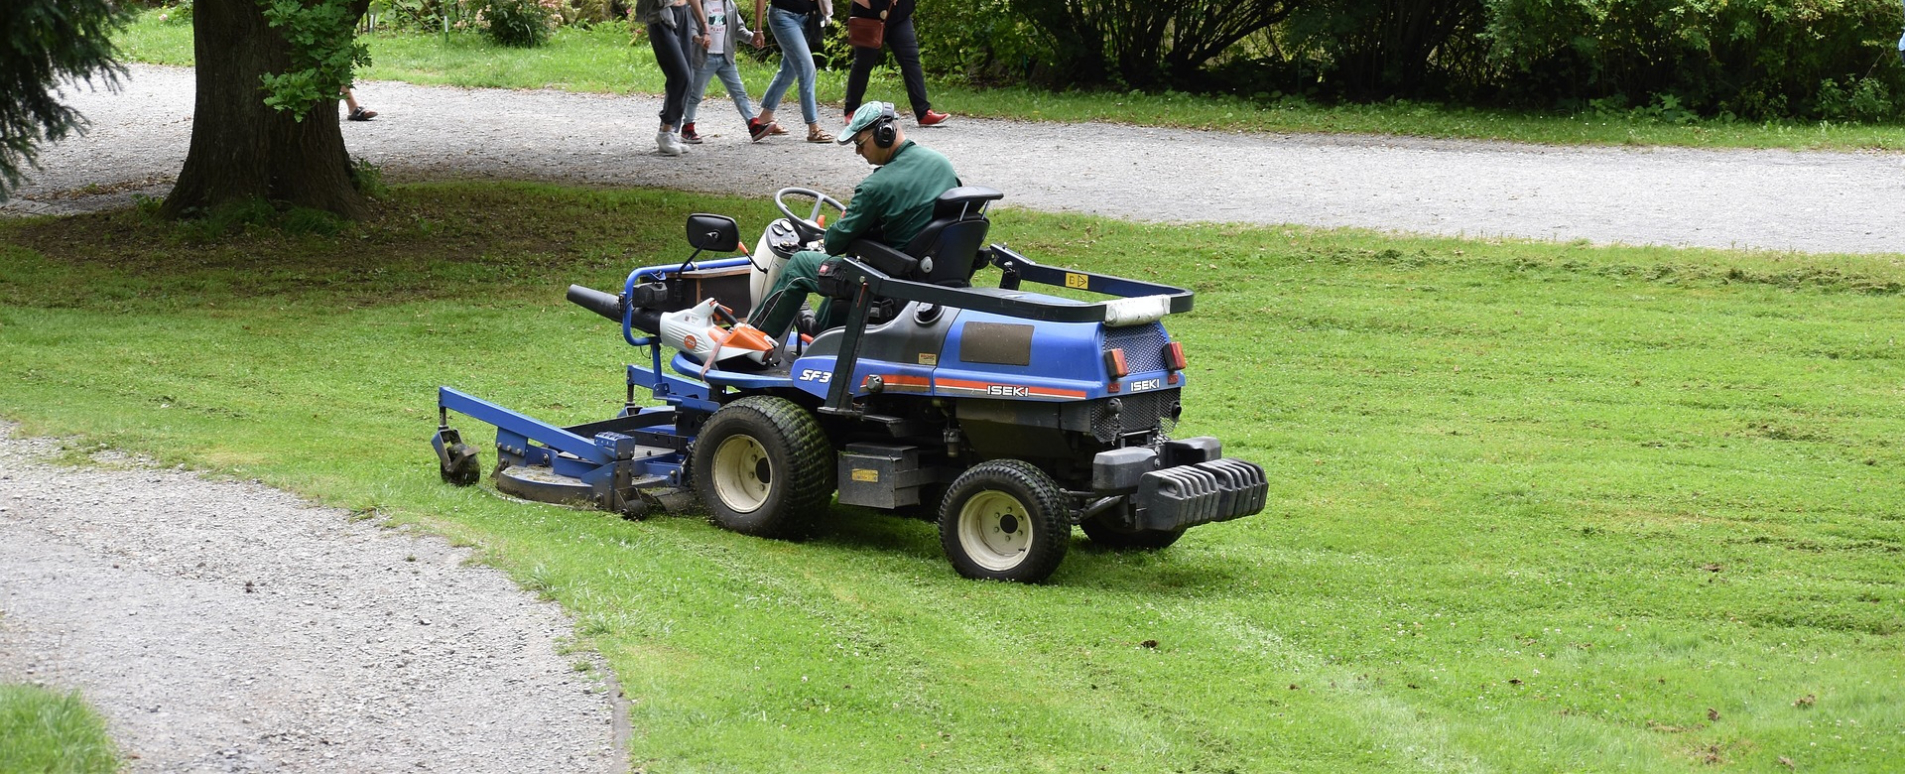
[(863, 32)]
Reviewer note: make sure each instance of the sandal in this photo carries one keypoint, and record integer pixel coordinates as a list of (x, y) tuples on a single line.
[(819, 135), (775, 128)]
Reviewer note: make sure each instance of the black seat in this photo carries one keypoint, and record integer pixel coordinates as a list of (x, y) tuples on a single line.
[(954, 236), (946, 251)]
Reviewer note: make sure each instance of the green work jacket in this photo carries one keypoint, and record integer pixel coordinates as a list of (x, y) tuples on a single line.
[(892, 205)]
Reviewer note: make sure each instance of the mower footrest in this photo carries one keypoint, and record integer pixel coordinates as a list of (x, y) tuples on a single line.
[(1189, 495)]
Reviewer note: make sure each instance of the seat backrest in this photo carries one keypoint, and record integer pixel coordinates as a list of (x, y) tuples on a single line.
[(953, 238)]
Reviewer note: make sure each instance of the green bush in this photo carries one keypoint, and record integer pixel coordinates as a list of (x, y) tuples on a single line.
[(1750, 58), (518, 23), (176, 13), (1163, 43), (417, 15), (1676, 60), (981, 41), (1375, 49), (1860, 99)]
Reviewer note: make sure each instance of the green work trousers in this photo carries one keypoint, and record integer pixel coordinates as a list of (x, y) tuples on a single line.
[(800, 277)]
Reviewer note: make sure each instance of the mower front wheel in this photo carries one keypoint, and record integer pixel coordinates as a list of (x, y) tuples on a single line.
[(1005, 520), (763, 467)]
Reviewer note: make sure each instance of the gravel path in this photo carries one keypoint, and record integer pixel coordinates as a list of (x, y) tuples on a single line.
[(1809, 202), (229, 627)]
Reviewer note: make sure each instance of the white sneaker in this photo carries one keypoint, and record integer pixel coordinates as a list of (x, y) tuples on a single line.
[(681, 143), (667, 145)]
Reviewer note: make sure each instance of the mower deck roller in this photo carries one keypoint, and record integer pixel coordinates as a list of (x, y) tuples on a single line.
[(1005, 416)]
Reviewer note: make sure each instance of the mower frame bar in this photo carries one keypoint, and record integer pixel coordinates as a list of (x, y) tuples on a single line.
[(549, 435)]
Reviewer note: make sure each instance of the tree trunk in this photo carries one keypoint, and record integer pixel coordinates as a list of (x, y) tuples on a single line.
[(242, 149)]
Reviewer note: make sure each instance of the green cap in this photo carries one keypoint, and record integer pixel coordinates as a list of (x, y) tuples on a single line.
[(866, 116)]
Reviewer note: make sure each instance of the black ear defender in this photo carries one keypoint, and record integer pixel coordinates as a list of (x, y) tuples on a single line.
[(886, 128)]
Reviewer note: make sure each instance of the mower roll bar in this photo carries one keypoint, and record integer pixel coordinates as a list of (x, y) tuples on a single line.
[(1017, 268)]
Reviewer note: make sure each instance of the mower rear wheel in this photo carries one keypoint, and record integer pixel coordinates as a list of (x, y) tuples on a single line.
[(1005, 520), (1106, 534), (763, 467)]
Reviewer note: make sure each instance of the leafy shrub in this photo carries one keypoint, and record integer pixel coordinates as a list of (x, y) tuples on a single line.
[(1160, 43), (176, 13), (419, 15), (1387, 48), (982, 41), (1860, 99), (1665, 60), (323, 52), (583, 13), (1752, 58), (519, 23), (1152, 44)]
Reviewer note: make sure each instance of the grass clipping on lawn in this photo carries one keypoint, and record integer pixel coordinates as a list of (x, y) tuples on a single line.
[(1534, 507)]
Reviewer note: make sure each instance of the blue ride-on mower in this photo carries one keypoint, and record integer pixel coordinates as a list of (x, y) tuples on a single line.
[(1004, 415)]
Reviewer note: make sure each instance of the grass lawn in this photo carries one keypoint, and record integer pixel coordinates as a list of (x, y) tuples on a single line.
[(1535, 507), (43, 731), (603, 60)]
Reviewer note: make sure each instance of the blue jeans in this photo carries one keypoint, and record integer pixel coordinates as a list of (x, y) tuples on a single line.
[(717, 64), (797, 63)]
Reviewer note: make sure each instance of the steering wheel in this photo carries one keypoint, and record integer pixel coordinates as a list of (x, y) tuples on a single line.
[(808, 227)]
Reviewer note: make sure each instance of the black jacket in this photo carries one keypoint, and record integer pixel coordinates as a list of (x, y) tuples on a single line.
[(896, 10)]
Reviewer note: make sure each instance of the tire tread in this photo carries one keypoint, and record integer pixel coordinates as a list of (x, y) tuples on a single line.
[(1053, 531), (810, 467)]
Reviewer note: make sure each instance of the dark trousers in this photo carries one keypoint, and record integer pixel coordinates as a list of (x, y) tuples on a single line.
[(905, 45), (671, 52)]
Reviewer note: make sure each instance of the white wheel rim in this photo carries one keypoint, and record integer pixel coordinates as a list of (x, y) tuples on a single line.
[(995, 530), (742, 473)]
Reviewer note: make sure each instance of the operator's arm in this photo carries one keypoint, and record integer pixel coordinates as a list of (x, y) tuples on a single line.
[(861, 217)]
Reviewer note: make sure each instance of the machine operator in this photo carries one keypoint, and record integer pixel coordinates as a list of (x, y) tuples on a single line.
[(891, 206)]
